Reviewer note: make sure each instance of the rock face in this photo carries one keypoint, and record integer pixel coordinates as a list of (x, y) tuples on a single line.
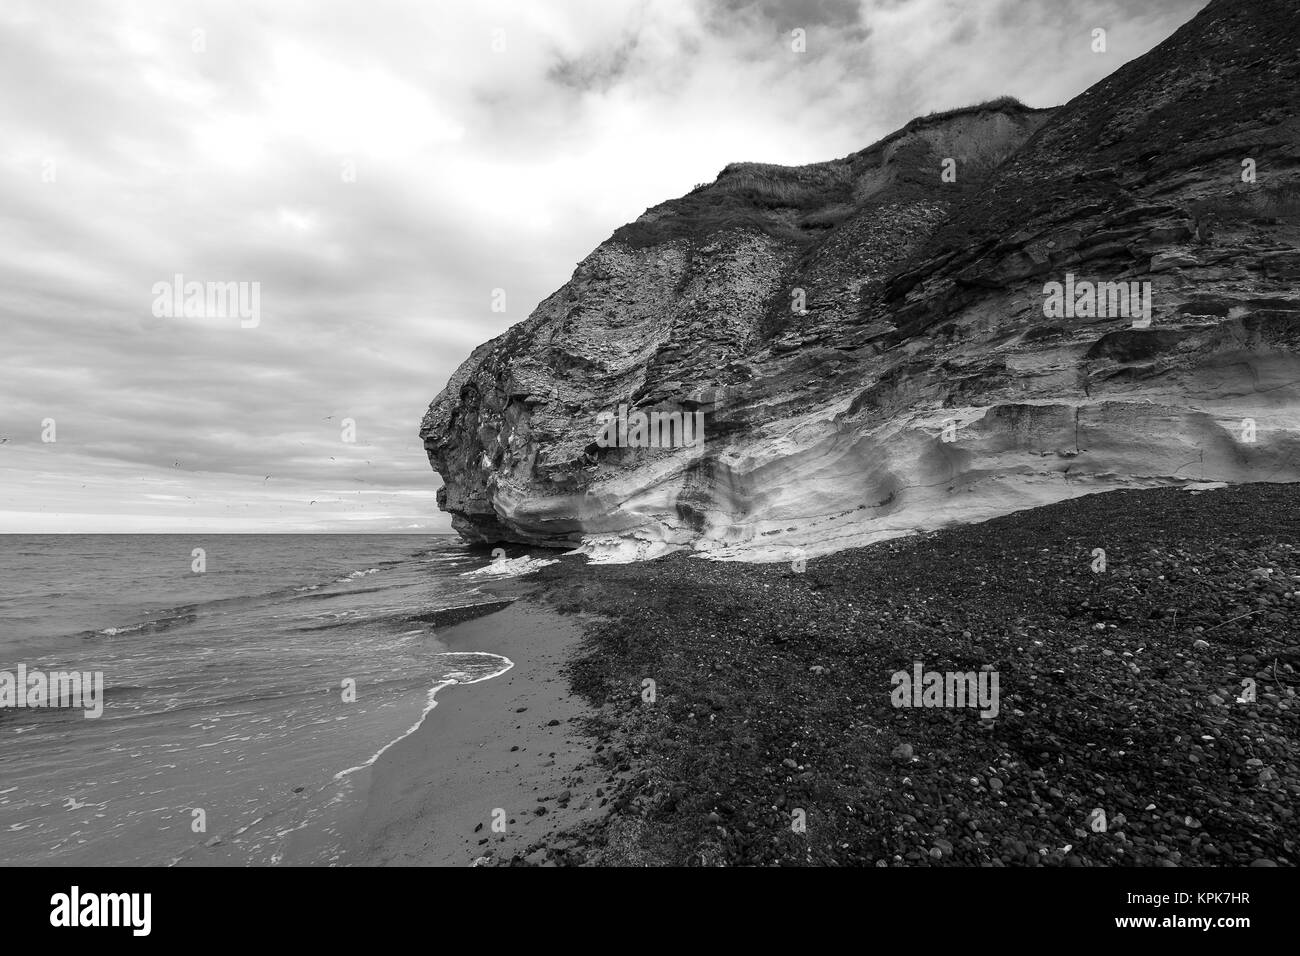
[(878, 349)]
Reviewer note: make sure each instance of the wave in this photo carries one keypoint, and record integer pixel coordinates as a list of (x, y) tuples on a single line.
[(314, 595), (168, 618), (356, 574), (461, 676), (172, 617)]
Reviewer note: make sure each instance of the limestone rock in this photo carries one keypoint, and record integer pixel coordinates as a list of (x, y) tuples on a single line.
[(869, 346)]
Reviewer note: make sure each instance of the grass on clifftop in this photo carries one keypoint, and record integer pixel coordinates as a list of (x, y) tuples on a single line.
[(1001, 104), (791, 202), (795, 203)]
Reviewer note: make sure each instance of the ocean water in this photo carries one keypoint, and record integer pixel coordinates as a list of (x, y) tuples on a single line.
[(226, 735)]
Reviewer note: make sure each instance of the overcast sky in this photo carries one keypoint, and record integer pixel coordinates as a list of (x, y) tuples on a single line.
[(378, 169)]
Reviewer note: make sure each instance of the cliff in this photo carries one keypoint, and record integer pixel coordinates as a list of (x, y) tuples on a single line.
[(874, 348)]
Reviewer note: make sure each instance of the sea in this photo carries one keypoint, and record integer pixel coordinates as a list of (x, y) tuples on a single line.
[(249, 682)]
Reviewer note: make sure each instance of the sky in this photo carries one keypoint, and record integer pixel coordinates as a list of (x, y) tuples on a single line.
[(367, 174)]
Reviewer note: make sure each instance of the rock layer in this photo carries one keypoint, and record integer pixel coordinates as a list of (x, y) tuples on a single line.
[(868, 341)]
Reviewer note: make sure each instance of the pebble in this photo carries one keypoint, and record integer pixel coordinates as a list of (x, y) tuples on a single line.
[(1087, 731)]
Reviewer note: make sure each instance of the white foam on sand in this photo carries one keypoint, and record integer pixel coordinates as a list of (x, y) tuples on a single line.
[(1199, 486), (510, 567), (452, 677)]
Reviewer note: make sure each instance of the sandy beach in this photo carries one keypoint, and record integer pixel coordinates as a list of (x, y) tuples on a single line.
[(509, 749)]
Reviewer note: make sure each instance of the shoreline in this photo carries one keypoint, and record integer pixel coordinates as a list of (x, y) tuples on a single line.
[(496, 768), (772, 737)]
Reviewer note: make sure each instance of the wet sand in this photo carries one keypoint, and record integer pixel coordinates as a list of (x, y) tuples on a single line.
[(503, 751)]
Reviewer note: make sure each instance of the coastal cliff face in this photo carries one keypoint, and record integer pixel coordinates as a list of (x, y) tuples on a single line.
[(875, 345)]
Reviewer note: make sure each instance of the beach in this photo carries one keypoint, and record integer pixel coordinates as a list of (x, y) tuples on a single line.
[(510, 746), (1144, 707)]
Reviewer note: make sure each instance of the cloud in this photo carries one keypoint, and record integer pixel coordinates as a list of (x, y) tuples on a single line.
[(378, 170)]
